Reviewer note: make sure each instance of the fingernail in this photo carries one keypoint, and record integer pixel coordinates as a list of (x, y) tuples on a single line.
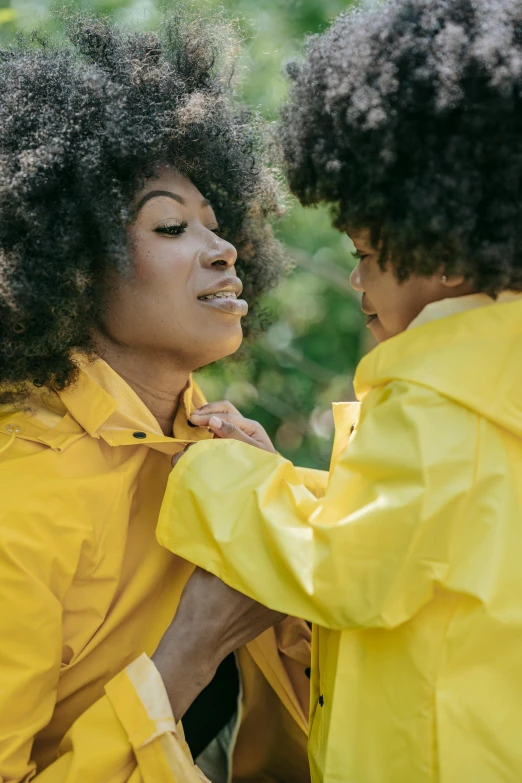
[(215, 423)]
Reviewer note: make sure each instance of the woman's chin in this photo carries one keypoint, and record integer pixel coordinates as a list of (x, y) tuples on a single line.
[(220, 345), (233, 345)]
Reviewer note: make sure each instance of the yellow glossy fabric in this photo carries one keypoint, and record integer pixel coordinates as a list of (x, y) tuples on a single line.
[(86, 594), (410, 566)]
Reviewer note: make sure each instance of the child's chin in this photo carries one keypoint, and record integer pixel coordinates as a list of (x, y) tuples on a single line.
[(379, 333)]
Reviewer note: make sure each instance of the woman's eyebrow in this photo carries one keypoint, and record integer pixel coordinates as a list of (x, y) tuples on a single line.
[(154, 193), (169, 194)]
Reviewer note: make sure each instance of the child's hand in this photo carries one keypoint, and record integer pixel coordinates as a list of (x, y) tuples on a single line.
[(225, 421)]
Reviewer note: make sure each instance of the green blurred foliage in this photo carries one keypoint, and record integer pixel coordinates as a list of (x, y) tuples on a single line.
[(307, 357)]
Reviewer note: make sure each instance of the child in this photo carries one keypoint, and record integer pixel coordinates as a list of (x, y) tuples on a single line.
[(408, 120)]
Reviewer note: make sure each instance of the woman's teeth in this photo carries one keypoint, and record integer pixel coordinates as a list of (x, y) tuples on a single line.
[(220, 295)]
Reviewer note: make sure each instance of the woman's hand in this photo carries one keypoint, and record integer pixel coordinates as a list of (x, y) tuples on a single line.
[(212, 620), (225, 421)]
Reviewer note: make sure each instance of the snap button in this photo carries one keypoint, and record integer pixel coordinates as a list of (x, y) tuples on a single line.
[(139, 435), (13, 429)]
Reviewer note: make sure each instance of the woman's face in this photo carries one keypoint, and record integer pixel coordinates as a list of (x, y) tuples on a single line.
[(183, 297), (391, 305)]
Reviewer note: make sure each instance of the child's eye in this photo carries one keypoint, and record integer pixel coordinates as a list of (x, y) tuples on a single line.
[(172, 229)]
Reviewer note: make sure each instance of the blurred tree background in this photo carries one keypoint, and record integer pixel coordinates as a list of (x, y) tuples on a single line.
[(306, 358)]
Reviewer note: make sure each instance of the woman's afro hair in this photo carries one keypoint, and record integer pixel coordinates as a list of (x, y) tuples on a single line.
[(83, 123), (407, 119)]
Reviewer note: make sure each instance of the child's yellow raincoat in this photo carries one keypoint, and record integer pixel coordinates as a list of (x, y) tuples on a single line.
[(410, 566)]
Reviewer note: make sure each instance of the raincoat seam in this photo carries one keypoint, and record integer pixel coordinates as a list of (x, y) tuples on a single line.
[(9, 443), (465, 501), (474, 474), (435, 731), (380, 611), (237, 724), (84, 577), (462, 515), (95, 545), (288, 691), (98, 535)]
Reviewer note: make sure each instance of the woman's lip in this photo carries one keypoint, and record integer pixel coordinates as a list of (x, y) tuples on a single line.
[(232, 306)]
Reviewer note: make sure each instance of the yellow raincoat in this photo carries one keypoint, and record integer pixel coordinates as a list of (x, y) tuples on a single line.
[(411, 565), (86, 594)]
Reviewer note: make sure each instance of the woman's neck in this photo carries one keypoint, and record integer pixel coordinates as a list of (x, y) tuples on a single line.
[(157, 379)]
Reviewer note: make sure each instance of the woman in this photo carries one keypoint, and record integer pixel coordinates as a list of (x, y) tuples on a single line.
[(407, 119), (127, 180)]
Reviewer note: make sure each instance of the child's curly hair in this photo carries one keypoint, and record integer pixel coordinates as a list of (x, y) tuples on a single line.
[(82, 124), (407, 119)]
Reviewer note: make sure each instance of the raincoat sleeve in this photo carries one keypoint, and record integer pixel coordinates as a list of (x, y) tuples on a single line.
[(370, 552), (129, 735)]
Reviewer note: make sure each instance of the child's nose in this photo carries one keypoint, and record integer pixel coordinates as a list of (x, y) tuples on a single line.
[(355, 279)]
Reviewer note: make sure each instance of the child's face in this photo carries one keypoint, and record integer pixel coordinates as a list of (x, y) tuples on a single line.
[(391, 306)]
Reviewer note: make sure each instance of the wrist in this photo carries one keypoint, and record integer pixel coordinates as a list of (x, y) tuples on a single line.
[(186, 664)]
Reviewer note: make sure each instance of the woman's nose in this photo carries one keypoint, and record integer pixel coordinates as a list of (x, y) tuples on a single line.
[(355, 279), (219, 253)]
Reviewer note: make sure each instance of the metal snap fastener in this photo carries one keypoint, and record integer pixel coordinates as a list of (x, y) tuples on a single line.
[(139, 435), (13, 429)]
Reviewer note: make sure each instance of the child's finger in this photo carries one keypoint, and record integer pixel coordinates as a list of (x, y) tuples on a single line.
[(226, 429), (203, 419), (221, 406)]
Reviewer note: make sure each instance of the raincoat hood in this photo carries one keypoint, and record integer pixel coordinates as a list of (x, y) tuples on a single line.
[(483, 370)]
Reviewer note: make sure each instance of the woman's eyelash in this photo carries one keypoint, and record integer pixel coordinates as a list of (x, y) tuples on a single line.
[(176, 229), (359, 256), (171, 229)]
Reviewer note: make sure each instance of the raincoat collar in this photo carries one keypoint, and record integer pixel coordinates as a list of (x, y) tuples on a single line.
[(106, 407), (463, 355), (101, 404), (88, 402), (461, 304)]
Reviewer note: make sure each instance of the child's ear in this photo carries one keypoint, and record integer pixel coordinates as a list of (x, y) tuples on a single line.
[(452, 281)]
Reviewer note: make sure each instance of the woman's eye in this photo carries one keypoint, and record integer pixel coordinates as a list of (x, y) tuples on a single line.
[(216, 230), (359, 256), (171, 230)]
